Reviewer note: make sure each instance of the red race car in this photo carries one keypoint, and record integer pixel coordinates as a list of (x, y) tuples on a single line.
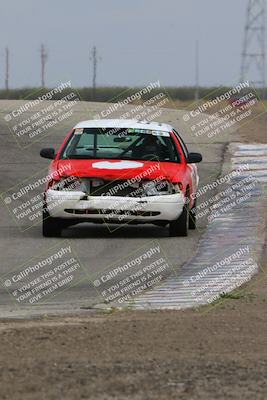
[(121, 172)]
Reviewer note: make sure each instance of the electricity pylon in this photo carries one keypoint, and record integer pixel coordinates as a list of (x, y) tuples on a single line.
[(253, 55)]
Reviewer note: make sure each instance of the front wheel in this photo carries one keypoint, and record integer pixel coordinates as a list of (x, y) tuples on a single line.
[(180, 226), (193, 216), (52, 227)]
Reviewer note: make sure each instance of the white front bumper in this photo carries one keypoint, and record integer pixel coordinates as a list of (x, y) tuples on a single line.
[(68, 205)]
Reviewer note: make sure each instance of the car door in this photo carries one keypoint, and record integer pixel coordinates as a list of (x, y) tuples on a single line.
[(192, 168)]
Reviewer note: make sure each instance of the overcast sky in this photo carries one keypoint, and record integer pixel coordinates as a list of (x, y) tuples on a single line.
[(139, 41)]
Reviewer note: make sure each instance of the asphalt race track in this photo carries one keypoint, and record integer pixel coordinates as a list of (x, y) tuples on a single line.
[(95, 246)]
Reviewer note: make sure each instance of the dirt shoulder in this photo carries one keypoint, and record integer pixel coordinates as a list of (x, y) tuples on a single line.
[(214, 352)]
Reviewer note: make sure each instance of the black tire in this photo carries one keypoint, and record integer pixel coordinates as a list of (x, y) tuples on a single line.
[(180, 226), (52, 227), (193, 216)]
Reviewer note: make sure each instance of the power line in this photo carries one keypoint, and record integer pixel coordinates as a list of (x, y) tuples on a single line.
[(197, 72), (44, 57), (7, 68), (94, 57)]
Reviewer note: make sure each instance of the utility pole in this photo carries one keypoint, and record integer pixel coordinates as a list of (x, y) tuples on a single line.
[(253, 55), (7, 68), (43, 62), (197, 72), (94, 57)]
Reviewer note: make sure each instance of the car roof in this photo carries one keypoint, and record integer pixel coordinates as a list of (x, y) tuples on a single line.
[(124, 123)]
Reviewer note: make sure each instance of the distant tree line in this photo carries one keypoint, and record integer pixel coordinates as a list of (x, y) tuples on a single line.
[(114, 94)]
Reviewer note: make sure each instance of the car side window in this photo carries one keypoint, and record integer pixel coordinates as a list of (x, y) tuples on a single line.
[(183, 145)]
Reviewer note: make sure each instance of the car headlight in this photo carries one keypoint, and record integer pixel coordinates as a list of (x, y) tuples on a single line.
[(70, 183), (161, 187), (177, 187), (73, 183)]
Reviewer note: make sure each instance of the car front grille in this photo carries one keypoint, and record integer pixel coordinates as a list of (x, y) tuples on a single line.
[(120, 188), (90, 211)]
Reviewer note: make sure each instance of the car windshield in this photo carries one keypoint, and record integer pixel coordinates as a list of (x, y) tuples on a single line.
[(116, 143)]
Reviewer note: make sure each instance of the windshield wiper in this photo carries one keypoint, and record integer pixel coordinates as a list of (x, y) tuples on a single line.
[(74, 156)]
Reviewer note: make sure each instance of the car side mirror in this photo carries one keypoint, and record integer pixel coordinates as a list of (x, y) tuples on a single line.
[(194, 158), (48, 153)]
